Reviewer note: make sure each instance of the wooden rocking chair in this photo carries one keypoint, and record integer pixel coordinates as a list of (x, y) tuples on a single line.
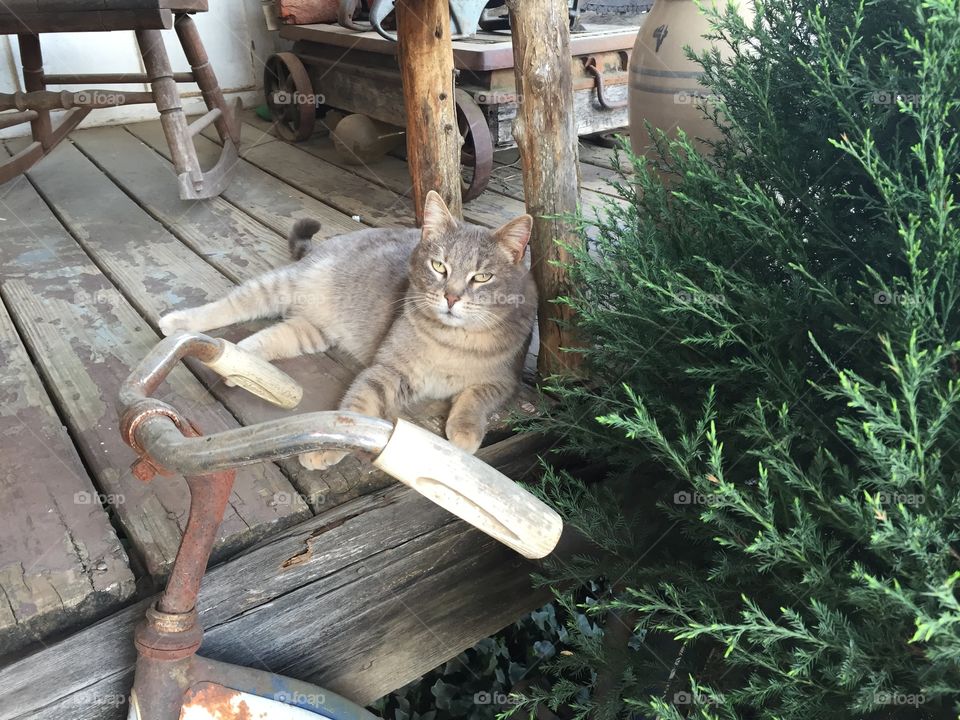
[(28, 19)]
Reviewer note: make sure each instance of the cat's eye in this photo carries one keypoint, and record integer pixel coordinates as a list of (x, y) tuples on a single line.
[(438, 266), (482, 277)]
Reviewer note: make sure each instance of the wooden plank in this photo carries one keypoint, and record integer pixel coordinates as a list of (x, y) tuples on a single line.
[(267, 198), (302, 12), (600, 156), (158, 274), (348, 193), (352, 600), (233, 241), (46, 21), (144, 175), (85, 337), (226, 238), (508, 179), (489, 210), (60, 560)]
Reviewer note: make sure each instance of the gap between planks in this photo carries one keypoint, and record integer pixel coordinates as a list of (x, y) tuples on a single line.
[(502, 200), (361, 601), (129, 161), (84, 338)]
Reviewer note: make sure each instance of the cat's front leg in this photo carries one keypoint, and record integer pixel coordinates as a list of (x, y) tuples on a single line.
[(379, 391), (470, 412)]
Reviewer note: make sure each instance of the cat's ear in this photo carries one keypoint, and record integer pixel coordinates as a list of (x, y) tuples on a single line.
[(514, 236), (437, 219)]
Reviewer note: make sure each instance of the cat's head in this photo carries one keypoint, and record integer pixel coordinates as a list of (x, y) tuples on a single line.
[(467, 276)]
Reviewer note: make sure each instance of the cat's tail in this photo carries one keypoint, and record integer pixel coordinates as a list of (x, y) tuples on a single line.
[(300, 239)]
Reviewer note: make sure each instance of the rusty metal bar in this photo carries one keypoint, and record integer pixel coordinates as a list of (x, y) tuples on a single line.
[(590, 66), (209, 495), (201, 122), (114, 78), (157, 364), (158, 435)]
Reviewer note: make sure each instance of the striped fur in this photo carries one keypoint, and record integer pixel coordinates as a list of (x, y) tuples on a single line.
[(414, 307)]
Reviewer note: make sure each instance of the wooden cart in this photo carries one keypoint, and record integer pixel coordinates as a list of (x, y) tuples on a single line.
[(360, 73)]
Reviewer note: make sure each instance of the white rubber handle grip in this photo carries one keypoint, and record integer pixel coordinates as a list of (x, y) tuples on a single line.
[(256, 375), (470, 489)]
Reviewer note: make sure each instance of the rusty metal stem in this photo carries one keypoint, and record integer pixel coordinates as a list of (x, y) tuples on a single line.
[(209, 495)]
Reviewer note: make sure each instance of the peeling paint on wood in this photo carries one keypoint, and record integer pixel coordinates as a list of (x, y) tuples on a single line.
[(60, 561), (85, 336)]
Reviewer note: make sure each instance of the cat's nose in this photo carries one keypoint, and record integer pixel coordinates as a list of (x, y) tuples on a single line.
[(451, 299)]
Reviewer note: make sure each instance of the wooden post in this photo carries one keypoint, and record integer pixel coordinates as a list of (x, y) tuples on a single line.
[(546, 134), (425, 53)]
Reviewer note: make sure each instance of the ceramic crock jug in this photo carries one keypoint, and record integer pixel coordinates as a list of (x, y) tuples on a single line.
[(665, 87)]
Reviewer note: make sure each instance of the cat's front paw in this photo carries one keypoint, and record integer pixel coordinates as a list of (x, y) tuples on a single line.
[(465, 436), (176, 321), (322, 460)]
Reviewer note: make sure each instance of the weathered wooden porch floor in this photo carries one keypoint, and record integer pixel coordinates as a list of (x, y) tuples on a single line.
[(340, 578)]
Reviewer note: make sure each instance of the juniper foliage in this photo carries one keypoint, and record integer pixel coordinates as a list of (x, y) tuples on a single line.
[(772, 340)]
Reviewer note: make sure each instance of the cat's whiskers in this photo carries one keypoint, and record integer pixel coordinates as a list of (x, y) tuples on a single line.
[(486, 317)]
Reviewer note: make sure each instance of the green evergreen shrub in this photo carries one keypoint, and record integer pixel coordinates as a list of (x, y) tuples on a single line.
[(772, 343)]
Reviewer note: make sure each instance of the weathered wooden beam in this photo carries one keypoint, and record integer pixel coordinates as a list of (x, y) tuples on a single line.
[(425, 53), (362, 600), (546, 134)]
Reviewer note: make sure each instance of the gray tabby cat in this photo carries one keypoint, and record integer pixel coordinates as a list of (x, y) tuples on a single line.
[(444, 312)]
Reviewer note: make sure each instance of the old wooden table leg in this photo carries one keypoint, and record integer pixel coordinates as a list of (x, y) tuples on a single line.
[(426, 65), (546, 133)]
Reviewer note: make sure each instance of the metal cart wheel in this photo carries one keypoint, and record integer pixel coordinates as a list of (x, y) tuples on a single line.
[(476, 153), (290, 96)]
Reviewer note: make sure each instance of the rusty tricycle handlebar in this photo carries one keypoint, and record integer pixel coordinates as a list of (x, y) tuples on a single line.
[(168, 669)]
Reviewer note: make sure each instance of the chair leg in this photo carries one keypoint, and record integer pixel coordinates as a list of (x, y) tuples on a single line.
[(32, 59), (206, 78), (167, 98)]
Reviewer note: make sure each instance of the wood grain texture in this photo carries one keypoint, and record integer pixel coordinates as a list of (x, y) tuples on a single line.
[(61, 562), (324, 377), (346, 192), (256, 192), (507, 178), (362, 600), (546, 135), (598, 155), (491, 209), (425, 55), (85, 336), (161, 274)]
